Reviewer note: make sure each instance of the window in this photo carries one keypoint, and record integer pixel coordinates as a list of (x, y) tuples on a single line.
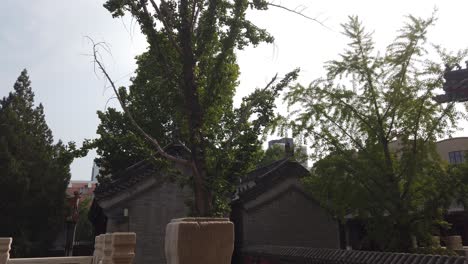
[(456, 157)]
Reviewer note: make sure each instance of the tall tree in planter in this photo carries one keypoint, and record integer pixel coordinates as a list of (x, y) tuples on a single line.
[(375, 117), (34, 173), (184, 89)]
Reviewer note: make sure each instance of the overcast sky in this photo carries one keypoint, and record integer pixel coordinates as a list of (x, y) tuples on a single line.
[(47, 37)]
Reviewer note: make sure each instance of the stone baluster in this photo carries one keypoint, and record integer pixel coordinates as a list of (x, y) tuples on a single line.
[(5, 244), (123, 248), (98, 249), (107, 249)]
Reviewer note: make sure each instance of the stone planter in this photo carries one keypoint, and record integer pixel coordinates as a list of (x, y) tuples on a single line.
[(199, 241), (454, 242)]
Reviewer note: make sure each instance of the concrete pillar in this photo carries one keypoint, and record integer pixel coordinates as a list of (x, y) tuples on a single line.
[(5, 246), (123, 248)]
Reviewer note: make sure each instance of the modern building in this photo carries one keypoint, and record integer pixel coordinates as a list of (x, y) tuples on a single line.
[(453, 150), (94, 172), (290, 148)]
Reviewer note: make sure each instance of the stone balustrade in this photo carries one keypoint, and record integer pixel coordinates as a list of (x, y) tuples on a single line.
[(114, 248), (58, 260)]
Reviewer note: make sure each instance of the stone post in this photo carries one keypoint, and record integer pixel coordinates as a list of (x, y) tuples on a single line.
[(123, 248), (107, 249), (98, 249), (5, 243)]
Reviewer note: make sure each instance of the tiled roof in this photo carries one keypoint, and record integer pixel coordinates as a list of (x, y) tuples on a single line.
[(259, 180), (136, 173), (335, 256), (128, 178)]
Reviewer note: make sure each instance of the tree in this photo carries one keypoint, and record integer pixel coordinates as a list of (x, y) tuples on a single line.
[(84, 228), (183, 92), (374, 120), (277, 152), (272, 154), (34, 173)]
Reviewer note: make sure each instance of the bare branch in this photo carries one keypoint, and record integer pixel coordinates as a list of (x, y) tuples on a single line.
[(149, 138), (108, 100), (271, 82), (300, 13)]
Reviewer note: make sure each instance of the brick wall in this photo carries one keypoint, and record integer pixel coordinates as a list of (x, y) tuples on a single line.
[(285, 216), (148, 214)]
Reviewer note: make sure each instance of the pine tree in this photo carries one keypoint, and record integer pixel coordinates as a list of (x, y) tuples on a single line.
[(34, 173)]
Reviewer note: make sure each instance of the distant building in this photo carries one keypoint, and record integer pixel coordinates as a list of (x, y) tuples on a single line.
[(283, 142), (290, 148), (94, 172), (453, 150), (85, 191), (84, 188)]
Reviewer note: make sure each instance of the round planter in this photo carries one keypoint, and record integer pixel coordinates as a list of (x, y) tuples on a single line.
[(199, 241), (454, 242)]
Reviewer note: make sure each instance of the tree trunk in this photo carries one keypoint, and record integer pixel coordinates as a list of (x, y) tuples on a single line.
[(203, 205)]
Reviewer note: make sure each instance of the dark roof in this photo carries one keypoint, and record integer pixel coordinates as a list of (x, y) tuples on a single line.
[(332, 256), (126, 179), (136, 173), (265, 177)]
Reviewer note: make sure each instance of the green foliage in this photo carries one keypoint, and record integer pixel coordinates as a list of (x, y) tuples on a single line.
[(84, 228), (277, 152), (272, 154), (34, 173), (183, 92), (373, 123)]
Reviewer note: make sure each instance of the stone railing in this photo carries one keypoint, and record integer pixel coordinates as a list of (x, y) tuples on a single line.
[(114, 248)]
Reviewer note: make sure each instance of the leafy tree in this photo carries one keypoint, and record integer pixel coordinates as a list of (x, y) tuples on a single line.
[(373, 115), (34, 173), (84, 228), (183, 92), (272, 154), (277, 152)]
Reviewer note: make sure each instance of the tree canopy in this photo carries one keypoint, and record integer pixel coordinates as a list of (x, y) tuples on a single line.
[(183, 93), (34, 173), (373, 123)]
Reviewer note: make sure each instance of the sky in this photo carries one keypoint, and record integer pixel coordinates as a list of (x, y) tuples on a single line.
[(48, 38)]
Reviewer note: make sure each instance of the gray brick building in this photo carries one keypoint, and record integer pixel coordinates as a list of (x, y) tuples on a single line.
[(143, 200), (271, 208)]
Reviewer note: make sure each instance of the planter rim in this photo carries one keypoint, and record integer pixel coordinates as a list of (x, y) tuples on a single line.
[(200, 219)]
